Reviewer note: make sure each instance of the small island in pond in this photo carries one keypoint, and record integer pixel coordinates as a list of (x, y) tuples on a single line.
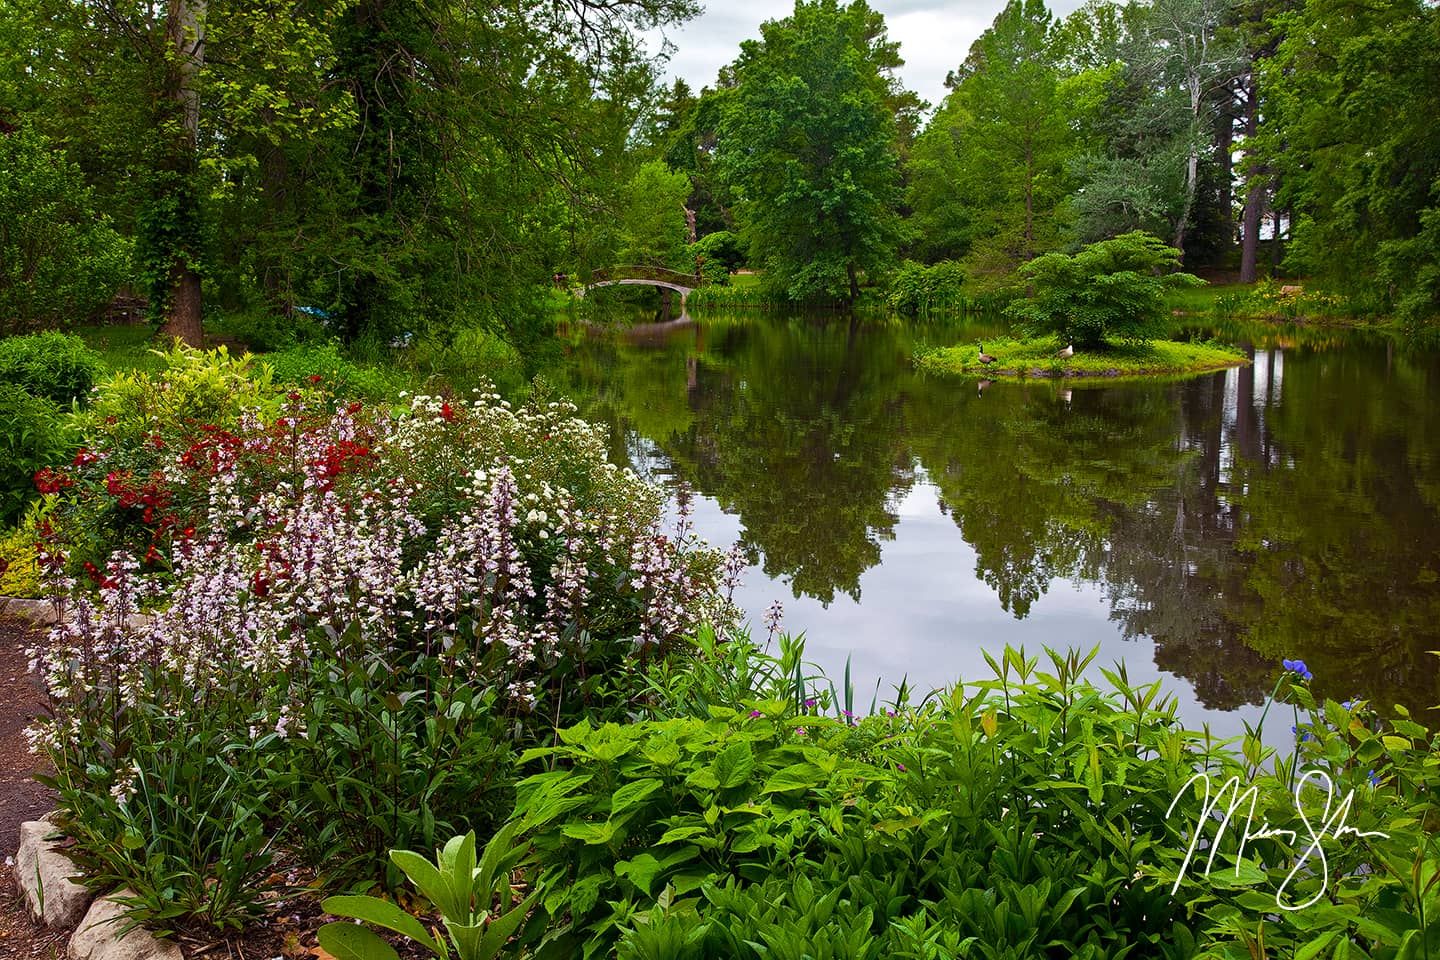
[(1016, 359)]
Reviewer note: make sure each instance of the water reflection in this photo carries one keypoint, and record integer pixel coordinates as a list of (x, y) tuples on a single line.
[(1209, 526)]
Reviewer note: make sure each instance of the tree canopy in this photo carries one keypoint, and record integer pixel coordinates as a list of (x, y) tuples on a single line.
[(809, 143)]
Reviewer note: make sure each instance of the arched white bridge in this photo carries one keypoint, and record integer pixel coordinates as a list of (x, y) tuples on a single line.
[(682, 283)]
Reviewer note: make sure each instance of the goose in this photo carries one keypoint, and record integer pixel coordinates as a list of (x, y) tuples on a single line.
[(984, 357), (1069, 351)]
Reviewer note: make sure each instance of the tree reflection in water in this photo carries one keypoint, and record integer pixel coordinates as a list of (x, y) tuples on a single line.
[(1288, 508)]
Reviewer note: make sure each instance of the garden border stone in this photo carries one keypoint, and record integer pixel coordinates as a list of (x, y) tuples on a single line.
[(98, 936), (44, 874)]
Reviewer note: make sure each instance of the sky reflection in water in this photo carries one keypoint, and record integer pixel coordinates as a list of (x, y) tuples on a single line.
[(1200, 530)]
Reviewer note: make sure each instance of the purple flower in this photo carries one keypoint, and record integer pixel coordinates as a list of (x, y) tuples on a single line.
[(756, 713), (1298, 666), (1374, 779), (809, 703)]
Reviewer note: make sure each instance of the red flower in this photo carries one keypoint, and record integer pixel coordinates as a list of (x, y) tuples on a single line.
[(85, 457), (50, 481), (445, 412), (315, 378)]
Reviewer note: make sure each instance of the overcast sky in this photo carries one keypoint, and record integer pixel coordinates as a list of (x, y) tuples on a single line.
[(934, 36)]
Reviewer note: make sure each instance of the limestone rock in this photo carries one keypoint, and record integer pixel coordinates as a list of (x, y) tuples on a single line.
[(43, 876), (98, 936)]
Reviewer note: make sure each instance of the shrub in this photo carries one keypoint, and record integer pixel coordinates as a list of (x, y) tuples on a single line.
[(264, 329), (324, 364), (915, 290), (54, 365), (1110, 289), (722, 247), (1031, 815), (19, 558), (34, 436), (193, 388), (374, 607), (59, 260)]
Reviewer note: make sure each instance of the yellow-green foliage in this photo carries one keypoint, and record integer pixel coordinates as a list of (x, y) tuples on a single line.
[(21, 576), (1038, 357), (204, 386)]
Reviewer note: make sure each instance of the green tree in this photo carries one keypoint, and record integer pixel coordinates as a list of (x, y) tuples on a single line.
[(1159, 134), (1352, 92), (653, 229), (999, 144), (808, 143), (1111, 289), (60, 261)]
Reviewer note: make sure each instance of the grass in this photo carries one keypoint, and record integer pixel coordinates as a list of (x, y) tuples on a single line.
[(1017, 359), (126, 347), (1269, 300), (1205, 299)]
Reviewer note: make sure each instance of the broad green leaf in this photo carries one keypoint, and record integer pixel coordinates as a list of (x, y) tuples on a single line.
[(590, 833), (499, 931), (733, 764), (426, 878), (797, 776), (681, 833), (349, 941), (632, 793), (382, 913)]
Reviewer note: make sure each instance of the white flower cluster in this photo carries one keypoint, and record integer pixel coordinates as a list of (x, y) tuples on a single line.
[(541, 540)]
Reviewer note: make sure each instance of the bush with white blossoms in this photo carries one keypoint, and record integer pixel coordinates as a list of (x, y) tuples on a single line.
[(362, 613)]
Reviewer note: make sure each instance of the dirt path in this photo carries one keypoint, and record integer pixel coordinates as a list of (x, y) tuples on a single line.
[(21, 798)]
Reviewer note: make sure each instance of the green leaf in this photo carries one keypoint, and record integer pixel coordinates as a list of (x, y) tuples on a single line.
[(797, 776), (632, 793), (733, 764), (681, 833), (499, 931), (641, 870), (590, 833), (348, 941), (426, 878), (1315, 947), (382, 913)]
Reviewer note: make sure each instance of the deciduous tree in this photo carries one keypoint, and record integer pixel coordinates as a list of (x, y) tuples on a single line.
[(808, 142)]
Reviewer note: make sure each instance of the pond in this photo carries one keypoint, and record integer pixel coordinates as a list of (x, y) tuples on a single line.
[(1200, 530)]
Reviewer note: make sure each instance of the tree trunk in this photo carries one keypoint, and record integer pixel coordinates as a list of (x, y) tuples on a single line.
[(854, 281), (1029, 252), (185, 33), (1224, 144), (1255, 187)]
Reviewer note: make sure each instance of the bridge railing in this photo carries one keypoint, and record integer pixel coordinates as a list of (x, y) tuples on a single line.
[(642, 272)]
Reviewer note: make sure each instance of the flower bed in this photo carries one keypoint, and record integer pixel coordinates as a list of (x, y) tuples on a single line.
[(359, 615)]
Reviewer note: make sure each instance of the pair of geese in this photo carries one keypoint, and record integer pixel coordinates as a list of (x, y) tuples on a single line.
[(986, 359)]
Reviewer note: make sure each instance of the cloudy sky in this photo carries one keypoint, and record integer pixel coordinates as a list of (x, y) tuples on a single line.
[(934, 36)]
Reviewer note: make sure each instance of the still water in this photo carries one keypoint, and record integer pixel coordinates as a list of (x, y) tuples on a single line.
[(1199, 530)]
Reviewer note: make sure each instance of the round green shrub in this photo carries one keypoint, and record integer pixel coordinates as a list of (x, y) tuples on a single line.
[(57, 366), (33, 437)]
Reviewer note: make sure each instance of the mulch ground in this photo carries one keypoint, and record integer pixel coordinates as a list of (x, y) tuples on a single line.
[(21, 797)]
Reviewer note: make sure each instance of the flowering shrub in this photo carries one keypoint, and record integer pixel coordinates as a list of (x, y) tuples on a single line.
[(33, 437), (369, 608)]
